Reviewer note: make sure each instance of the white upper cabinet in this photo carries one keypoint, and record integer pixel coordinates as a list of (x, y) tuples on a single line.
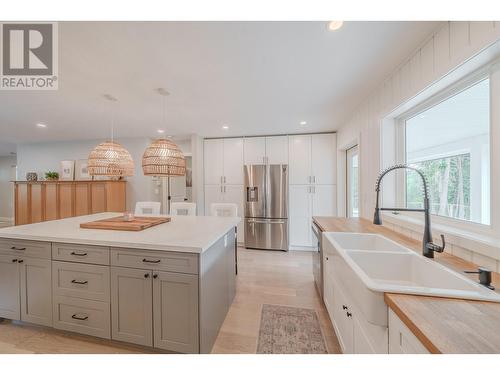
[(233, 161), (299, 151), (324, 158), (277, 149), (270, 150), (213, 161), (223, 161), (255, 150)]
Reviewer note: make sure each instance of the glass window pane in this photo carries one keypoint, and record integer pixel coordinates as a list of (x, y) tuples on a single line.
[(450, 144)]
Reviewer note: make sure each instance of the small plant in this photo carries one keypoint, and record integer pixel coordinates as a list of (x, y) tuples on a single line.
[(51, 176)]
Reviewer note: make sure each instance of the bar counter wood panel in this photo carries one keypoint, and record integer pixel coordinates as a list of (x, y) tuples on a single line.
[(37, 201)]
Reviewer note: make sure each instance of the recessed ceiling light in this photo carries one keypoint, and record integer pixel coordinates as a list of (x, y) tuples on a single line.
[(225, 127), (303, 123), (335, 25), (40, 125), (160, 131)]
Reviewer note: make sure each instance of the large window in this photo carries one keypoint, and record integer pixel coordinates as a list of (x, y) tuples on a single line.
[(449, 142)]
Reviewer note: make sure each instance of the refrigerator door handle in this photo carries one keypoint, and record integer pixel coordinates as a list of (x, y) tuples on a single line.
[(268, 221)]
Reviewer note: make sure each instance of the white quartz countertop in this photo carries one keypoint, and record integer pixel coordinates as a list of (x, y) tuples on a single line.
[(191, 234)]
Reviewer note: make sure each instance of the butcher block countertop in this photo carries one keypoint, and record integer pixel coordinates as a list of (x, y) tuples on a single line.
[(443, 325)]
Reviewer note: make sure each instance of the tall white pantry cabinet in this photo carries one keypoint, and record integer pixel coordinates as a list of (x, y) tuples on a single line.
[(312, 176)]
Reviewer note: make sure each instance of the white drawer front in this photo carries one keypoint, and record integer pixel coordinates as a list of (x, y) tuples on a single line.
[(32, 249), (80, 253), (82, 316), (156, 260), (85, 281)]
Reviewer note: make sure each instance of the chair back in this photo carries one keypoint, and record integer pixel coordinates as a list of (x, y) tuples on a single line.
[(147, 208), (182, 209), (224, 209)]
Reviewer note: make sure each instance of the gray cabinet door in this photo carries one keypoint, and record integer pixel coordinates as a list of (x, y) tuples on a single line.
[(131, 305), (9, 288), (175, 309), (36, 291)]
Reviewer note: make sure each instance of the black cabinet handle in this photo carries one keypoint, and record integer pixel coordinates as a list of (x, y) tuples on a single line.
[(155, 276), (20, 261), (349, 314), (79, 282), (14, 260), (344, 307), (151, 261), (146, 275), (79, 254), (17, 248), (74, 316)]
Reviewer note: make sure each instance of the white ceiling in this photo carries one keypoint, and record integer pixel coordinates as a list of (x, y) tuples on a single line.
[(256, 77)]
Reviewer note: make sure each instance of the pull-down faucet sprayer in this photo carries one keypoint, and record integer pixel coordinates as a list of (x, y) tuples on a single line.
[(428, 247)]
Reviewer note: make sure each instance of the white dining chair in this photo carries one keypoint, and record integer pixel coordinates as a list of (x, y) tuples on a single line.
[(182, 209), (147, 208), (224, 209)]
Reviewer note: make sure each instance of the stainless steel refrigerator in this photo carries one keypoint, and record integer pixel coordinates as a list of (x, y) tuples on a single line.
[(266, 206)]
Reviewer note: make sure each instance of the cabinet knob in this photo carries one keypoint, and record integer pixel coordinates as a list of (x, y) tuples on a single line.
[(349, 314), (146, 275), (344, 307), (155, 276), (326, 258)]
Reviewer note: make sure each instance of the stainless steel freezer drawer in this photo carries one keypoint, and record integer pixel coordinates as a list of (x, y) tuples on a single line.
[(267, 234)]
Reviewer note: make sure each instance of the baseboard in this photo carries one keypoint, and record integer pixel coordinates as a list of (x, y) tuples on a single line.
[(7, 219), (302, 248)]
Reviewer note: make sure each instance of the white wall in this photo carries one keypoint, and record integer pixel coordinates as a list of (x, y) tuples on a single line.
[(42, 157), (6, 188), (435, 60)]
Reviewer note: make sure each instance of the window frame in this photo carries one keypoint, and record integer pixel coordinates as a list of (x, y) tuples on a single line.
[(400, 147)]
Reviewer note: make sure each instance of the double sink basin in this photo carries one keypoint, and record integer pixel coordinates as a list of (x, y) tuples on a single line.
[(369, 264)]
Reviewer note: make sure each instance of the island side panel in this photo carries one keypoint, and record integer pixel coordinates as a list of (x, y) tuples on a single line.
[(217, 287)]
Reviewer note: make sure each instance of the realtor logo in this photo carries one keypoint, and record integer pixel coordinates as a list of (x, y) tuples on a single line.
[(28, 58)]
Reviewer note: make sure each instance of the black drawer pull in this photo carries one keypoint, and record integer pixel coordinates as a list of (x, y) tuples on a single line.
[(349, 314), (151, 261), (79, 282), (344, 307), (79, 254), (20, 261), (17, 248), (74, 316), (14, 260)]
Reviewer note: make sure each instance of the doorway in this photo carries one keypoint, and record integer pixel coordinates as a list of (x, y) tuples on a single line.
[(352, 179)]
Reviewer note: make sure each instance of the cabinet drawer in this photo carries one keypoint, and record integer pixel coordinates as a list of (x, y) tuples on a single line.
[(85, 281), (157, 260), (80, 253), (32, 249), (82, 316)]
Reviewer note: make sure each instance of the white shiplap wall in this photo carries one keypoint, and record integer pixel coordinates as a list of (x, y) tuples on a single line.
[(447, 48)]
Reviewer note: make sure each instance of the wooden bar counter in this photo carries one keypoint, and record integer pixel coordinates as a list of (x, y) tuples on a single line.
[(37, 201), (443, 325)]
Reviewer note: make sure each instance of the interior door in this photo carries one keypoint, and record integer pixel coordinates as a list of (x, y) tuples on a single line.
[(324, 158), (175, 309), (300, 215), (10, 303), (299, 147), (36, 291), (132, 305), (213, 161), (277, 149), (254, 150), (233, 161)]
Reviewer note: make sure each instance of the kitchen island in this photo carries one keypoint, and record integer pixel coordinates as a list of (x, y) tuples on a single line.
[(168, 287)]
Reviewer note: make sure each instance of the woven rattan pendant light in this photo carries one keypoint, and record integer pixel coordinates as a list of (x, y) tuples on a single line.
[(163, 157), (110, 158)]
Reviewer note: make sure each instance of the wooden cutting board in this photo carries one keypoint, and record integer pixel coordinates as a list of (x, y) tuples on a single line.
[(118, 223)]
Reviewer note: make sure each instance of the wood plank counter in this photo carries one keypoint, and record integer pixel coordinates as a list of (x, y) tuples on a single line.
[(443, 325)]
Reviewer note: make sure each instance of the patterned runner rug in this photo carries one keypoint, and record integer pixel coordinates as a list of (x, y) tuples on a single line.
[(290, 330)]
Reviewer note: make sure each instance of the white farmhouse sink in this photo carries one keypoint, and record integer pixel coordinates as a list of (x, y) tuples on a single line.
[(380, 265)]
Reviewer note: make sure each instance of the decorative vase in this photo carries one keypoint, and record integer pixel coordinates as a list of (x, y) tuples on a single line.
[(31, 176)]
